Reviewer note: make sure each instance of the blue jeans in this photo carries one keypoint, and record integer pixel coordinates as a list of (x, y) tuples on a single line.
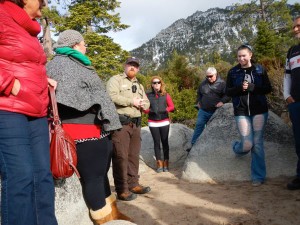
[(294, 110), (203, 118), (27, 194), (251, 130)]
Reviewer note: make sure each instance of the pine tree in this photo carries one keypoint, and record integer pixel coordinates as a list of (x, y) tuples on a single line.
[(180, 72), (93, 18), (107, 57), (273, 22), (265, 41)]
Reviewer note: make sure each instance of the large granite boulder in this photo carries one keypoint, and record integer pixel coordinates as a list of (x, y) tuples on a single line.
[(70, 207), (211, 159), (179, 141)]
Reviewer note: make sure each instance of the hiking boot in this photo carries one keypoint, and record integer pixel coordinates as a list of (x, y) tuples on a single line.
[(166, 165), (115, 212), (140, 189), (127, 196), (160, 165), (294, 184), (102, 215)]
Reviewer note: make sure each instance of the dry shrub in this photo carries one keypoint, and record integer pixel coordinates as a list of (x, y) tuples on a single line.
[(275, 69)]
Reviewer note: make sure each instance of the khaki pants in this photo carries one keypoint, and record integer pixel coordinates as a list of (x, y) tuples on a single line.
[(125, 159)]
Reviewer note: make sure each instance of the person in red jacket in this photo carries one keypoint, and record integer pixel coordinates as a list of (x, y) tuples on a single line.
[(158, 121), (27, 192)]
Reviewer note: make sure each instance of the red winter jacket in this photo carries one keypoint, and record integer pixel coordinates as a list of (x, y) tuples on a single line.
[(21, 57)]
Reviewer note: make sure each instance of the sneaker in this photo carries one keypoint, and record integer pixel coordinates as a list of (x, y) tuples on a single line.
[(257, 183), (140, 189), (294, 184), (126, 196)]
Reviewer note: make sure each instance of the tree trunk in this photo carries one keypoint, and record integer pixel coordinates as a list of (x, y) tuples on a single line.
[(47, 42), (262, 9)]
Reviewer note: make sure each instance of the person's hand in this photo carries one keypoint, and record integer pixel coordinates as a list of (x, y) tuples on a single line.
[(219, 104), (245, 85), (137, 102), (16, 88), (52, 83), (143, 103), (290, 100)]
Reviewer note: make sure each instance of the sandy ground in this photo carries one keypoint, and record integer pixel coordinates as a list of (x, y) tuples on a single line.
[(173, 201)]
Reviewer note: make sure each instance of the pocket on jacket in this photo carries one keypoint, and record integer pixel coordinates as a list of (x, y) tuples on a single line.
[(32, 101)]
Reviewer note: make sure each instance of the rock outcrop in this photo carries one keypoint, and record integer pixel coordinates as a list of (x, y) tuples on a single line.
[(179, 141), (211, 159)]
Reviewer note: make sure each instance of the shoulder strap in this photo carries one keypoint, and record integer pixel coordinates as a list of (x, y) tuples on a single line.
[(54, 109)]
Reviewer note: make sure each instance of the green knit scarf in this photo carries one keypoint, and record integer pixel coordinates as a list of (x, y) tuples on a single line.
[(75, 54)]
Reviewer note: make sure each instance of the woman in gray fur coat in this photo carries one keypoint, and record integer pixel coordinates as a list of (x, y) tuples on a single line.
[(88, 115)]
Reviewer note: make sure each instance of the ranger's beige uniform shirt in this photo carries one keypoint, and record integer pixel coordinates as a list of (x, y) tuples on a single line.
[(119, 87)]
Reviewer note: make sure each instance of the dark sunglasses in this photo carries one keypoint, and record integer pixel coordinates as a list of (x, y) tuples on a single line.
[(156, 82), (133, 88), (209, 76)]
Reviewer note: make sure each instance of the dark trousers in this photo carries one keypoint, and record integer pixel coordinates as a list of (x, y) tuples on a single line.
[(160, 134), (93, 164), (294, 110), (126, 151)]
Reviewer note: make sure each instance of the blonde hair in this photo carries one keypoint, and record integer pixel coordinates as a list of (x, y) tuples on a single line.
[(162, 85)]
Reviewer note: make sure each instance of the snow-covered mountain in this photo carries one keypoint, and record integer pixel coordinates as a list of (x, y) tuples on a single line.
[(197, 37)]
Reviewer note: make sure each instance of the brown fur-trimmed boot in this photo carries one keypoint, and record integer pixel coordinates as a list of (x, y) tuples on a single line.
[(116, 214), (102, 215), (166, 165), (159, 164)]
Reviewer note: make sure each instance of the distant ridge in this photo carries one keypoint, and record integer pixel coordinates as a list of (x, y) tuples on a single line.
[(197, 36)]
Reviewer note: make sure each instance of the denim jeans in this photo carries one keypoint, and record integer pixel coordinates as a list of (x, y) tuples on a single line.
[(294, 111), (251, 130), (203, 118), (27, 195)]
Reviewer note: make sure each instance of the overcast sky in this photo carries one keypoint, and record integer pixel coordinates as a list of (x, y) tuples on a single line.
[(148, 17)]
